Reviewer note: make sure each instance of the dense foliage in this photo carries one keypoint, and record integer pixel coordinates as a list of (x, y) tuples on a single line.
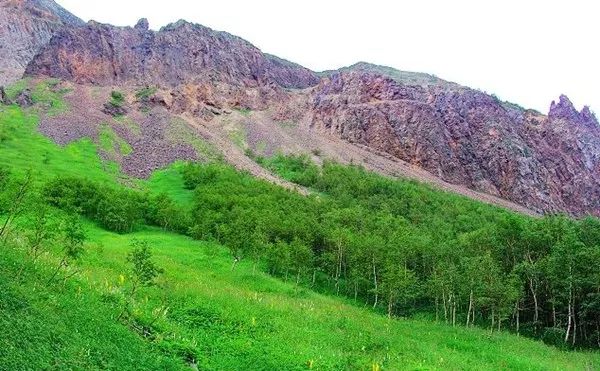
[(404, 247), (395, 245)]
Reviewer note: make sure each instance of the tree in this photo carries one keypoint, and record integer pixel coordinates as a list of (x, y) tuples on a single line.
[(301, 257), (143, 272), (14, 198), (72, 242), (40, 229)]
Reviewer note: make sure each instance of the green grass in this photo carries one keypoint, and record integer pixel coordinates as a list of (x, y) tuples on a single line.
[(25, 148), (145, 93), (239, 320), (133, 126), (45, 94), (14, 89), (170, 181), (64, 328), (244, 111), (112, 144)]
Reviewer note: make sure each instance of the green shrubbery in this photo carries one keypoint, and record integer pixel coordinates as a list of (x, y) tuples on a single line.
[(397, 246), (117, 99), (405, 247), (116, 209)]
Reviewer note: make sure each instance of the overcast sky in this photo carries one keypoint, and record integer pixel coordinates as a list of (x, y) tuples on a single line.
[(524, 51)]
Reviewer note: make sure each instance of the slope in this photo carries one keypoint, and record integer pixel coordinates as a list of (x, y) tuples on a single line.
[(203, 312)]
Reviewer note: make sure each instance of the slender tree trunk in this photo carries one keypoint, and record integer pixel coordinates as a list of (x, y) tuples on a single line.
[(375, 283), (598, 333), (574, 322), (444, 303), (453, 310), (493, 320), (570, 313), (517, 316), (470, 307), (553, 313), (60, 265), (535, 301), (568, 324), (314, 277), (437, 317), (390, 304), (16, 204), (338, 268)]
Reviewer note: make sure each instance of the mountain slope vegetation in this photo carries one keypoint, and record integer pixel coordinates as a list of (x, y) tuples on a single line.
[(267, 278)]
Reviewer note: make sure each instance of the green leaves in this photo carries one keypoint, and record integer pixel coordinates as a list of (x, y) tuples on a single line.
[(143, 270)]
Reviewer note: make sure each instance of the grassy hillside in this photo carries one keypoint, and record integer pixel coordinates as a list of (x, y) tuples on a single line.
[(230, 320), (202, 311)]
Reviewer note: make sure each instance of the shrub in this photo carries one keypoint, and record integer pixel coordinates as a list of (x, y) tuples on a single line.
[(117, 98)]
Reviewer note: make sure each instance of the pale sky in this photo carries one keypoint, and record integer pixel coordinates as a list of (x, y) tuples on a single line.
[(524, 51)]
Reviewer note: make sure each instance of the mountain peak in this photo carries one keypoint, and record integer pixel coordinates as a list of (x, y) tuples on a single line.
[(565, 110), (142, 24), (55, 10), (403, 77), (181, 52), (588, 117)]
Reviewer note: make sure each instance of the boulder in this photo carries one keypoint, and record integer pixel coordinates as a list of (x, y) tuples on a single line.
[(114, 110), (24, 98), (3, 98)]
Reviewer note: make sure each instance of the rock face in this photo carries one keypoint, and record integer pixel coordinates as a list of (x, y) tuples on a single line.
[(180, 53), (564, 110), (546, 163), (26, 26)]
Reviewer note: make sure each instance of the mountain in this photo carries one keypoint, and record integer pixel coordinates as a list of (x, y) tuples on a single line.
[(395, 122), (129, 241), (26, 26), (403, 77), (546, 163), (179, 53)]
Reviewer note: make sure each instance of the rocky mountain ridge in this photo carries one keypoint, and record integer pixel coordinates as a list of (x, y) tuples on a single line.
[(26, 26), (546, 163), (178, 53), (463, 136)]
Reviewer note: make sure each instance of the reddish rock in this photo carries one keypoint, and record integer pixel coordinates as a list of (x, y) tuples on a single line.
[(180, 53), (24, 98), (26, 26), (469, 138)]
